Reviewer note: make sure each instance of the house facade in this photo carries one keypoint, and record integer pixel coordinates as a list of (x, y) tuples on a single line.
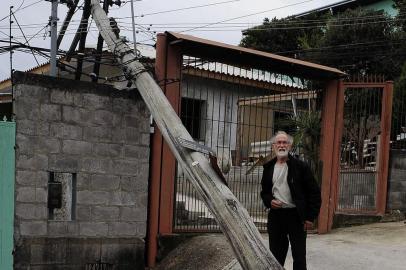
[(341, 6)]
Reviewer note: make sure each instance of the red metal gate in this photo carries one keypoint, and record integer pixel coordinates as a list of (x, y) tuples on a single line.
[(252, 90), (235, 111), (365, 147)]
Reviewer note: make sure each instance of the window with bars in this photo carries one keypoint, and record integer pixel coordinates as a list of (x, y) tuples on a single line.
[(191, 116)]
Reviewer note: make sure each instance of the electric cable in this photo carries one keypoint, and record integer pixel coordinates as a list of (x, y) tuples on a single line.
[(27, 42), (291, 24), (186, 8), (19, 8)]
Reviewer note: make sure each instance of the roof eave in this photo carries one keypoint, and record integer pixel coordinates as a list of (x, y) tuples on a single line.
[(275, 63)]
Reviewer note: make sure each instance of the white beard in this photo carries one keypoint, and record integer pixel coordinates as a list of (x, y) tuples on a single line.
[(282, 153)]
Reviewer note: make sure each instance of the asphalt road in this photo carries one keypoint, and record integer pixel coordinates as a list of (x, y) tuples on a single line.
[(374, 246)]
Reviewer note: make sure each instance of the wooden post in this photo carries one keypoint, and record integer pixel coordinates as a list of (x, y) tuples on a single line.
[(233, 219), (384, 147), (335, 169), (172, 68), (155, 166), (329, 151)]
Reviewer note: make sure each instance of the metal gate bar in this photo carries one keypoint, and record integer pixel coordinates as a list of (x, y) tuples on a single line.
[(360, 150), (234, 110), (398, 131)]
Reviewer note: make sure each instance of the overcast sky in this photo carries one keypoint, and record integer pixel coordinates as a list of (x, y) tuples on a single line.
[(220, 20)]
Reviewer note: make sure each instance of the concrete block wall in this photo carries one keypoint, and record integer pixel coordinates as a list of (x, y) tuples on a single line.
[(95, 132), (397, 181)]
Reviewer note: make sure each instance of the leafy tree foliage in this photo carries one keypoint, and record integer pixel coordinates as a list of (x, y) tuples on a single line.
[(400, 5), (359, 45), (357, 41), (281, 35)]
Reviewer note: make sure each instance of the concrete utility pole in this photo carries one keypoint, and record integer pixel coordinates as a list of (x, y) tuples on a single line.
[(133, 22), (54, 35), (232, 217)]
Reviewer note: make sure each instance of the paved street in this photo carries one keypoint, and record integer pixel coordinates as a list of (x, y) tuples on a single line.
[(372, 247)]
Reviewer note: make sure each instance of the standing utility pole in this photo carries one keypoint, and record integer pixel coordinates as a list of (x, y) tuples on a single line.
[(233, 219), (11, 63), (53, 20), (133, 21), (11, 50), (99, 49)]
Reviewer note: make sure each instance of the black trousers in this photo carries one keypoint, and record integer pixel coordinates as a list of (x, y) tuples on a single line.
[(284, 226)]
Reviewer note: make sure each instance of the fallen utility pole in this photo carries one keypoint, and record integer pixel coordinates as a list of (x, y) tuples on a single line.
[(232, 217)]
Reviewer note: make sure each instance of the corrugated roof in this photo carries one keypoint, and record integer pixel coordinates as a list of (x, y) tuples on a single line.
[(256, 59)]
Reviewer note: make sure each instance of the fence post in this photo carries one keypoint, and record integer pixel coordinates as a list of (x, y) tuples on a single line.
[(384, 147), (171, 87), (329, 151)]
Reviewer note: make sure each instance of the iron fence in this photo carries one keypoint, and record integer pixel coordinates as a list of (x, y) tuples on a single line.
[(398, 130), (359, 149), (235, 110), (357, 191)]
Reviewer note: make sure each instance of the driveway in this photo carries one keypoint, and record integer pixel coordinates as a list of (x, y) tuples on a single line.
[(374, 246)]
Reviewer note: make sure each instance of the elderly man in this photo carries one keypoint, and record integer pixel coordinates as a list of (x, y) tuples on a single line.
[(291, 193)]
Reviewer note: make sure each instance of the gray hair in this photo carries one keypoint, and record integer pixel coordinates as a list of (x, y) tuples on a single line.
[(280, 132)]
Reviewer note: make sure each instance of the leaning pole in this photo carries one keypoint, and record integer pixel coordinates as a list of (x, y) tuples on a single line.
[(233, 219)]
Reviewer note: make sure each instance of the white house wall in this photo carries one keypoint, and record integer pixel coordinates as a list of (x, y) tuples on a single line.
[(220, 110)]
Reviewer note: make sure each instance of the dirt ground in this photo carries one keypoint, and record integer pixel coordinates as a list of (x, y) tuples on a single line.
[(374, 246), (205, 252)]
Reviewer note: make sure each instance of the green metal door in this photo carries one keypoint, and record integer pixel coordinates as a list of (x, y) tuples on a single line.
[(7, 142)]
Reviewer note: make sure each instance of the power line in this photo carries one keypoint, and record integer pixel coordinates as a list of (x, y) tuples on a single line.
[(211, 4), (224, 28), (19, 8), (372, 43), (186, 8), (15, 18), (248, 15), (289, 23), (228, 26)]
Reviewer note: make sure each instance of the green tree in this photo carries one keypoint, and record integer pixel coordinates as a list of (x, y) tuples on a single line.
[(281, 35), (307, 138), (400, 5), (361, 42), (357, 41)]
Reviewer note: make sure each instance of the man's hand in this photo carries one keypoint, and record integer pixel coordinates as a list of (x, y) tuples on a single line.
[(308, 225), (276, 204)]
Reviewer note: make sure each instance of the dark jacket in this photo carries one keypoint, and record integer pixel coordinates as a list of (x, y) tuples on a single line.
[(303, 187)]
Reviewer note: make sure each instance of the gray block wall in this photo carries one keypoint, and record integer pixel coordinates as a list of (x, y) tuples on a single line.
[(102, 136), (397, 181)]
